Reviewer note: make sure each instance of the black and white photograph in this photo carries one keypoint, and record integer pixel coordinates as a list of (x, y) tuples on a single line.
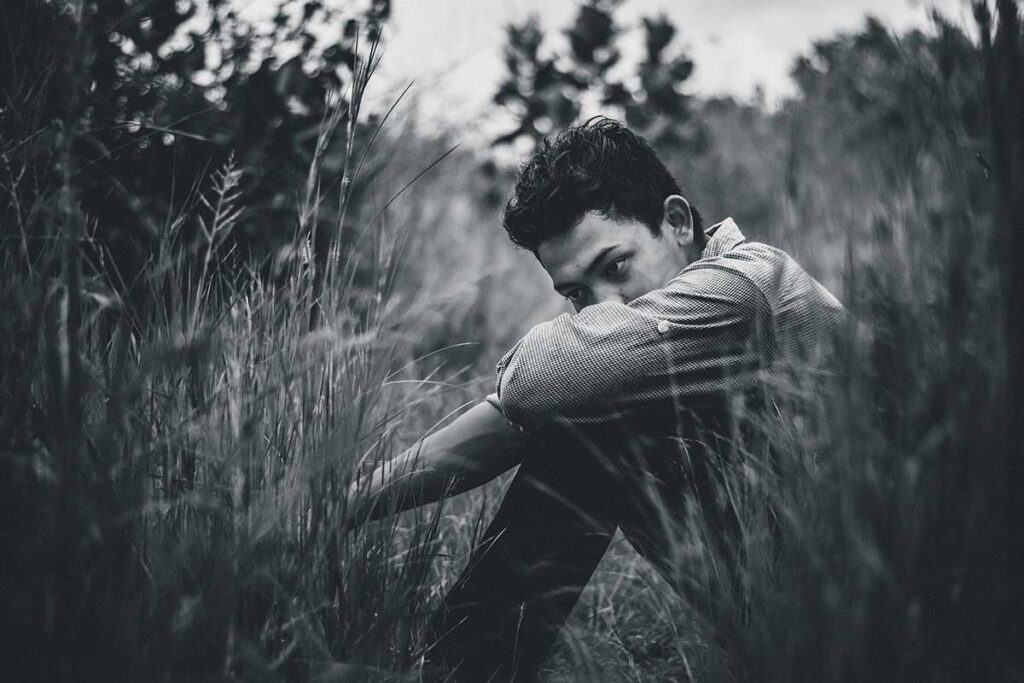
[(469, 341)]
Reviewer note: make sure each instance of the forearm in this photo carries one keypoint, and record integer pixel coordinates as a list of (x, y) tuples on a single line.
[(614, 359), (418, 476), (478, 446)]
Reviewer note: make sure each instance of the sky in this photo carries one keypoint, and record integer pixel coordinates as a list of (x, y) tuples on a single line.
[(451, 49)]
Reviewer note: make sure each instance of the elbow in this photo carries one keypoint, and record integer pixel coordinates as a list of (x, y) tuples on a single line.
[(552, 377), (525, 400), (518, 400), (530, 400)]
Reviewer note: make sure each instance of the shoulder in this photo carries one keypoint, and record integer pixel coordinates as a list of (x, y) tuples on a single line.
[(735, 278), (771, 272), (749, 260), (705, 297)]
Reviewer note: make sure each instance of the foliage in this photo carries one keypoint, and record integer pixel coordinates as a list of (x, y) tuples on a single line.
[(545, 92), (876, 114), (135, 101), (175, 475), (897, 99)]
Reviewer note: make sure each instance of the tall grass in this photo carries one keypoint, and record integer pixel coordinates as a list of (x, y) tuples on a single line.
[(176, 449)]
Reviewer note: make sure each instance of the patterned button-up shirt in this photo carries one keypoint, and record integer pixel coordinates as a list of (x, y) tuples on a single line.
[(709, 332)]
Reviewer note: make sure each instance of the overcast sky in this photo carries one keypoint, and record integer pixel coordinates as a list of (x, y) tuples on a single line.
[(452, 48)]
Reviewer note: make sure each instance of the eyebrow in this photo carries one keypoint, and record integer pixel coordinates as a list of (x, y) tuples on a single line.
[(594, 263)]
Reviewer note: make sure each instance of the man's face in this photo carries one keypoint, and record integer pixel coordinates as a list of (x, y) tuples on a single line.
[(603, 259)]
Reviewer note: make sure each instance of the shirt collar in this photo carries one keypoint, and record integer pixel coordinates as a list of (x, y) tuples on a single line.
[(722, 237)]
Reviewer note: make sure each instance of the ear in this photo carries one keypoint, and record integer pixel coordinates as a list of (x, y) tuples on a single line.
[(677, 220)]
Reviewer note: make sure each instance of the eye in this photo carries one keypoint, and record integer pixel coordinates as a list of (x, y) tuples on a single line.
[(574, 294), (616, 268)]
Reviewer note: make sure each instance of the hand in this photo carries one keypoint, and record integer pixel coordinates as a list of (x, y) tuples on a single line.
[(476, 447)]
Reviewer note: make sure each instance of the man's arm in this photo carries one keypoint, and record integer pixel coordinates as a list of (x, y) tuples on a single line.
[(478, 446), (698, 336)]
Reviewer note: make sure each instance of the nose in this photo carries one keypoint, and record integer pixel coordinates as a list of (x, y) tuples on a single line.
[(602, 295)]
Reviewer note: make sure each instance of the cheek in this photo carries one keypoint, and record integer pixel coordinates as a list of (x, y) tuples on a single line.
[(651, 273), (669, 265), (640, 282)]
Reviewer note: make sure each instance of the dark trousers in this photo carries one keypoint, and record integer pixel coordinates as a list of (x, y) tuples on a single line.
[(573, 489)]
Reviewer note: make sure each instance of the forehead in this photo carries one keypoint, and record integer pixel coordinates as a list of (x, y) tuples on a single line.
[(565, 257)]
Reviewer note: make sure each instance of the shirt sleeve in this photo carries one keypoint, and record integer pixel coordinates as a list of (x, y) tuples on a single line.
[(696, 337), (492, 398)]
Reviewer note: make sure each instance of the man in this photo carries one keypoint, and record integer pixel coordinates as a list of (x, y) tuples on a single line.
[(616, 415)]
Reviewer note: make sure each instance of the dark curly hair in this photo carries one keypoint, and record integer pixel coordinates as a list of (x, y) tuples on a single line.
[(599, 166)]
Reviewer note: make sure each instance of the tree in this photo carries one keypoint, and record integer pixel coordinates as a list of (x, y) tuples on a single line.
[(131, 104), (545, 91), (894, 96)]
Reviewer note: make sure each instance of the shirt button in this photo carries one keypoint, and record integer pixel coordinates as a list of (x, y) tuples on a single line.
[(662, 326)]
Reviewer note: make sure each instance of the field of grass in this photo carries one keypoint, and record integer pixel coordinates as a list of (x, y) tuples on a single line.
[(175, 449)]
